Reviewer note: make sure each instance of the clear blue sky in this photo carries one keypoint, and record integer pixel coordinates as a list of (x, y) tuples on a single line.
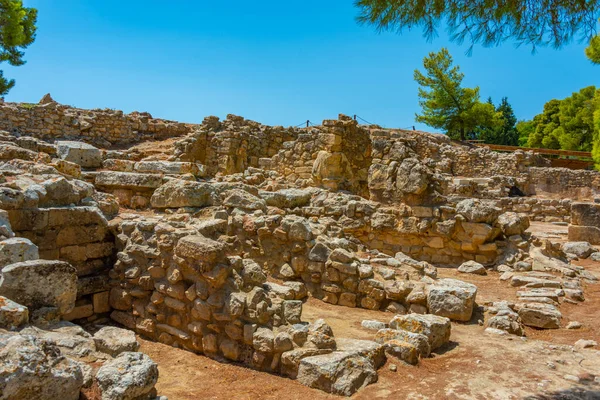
[(276, 62)]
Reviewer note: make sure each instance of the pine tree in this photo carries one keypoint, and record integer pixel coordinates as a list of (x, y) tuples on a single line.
[(17, 31), (445, 103), (529, 22)]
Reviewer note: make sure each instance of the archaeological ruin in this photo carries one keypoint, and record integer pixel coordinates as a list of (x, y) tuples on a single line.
[(212, 238)]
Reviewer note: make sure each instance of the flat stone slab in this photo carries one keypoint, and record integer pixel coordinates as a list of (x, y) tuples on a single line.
[(80, 153), (128, 180)]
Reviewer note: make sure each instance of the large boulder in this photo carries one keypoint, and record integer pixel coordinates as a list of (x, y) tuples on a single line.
[(417, 340), (436, 329), (180, 193), (32, 368), (40, 283), (80, 153), (412, 177), (452, 298), (129, 376)]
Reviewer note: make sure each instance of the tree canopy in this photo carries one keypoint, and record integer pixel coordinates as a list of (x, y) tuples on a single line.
[(566, 124), (593, 50), (445, 103), (489, 22), (502, 129), (17, 31)]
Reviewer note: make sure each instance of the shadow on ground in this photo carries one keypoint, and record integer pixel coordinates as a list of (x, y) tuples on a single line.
[(568, 394)]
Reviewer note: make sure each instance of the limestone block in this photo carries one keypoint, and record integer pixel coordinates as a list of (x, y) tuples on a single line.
[(341, 372), (539, 315), (128, 376), (40, 283), (590, 234), (15, 250), (180, 193), (38, 370), (128, 180), (114, 341), (452, 298), (80, 153), (199, 248), (436, 329)]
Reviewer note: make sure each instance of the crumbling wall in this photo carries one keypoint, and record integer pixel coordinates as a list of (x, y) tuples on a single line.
[(101, 127), (230, 146)]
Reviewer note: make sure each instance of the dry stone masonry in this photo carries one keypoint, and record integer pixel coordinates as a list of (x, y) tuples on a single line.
[(213, 239)]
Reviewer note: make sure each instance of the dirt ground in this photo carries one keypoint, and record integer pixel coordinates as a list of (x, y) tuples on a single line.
[(474, 365)]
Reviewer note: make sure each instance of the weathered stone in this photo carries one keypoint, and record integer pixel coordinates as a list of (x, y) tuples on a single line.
[(114, 341), (32, 368), (16, 250), (127, 377), (12, 315), (341, 373), (437, 329), (472, 267), (80, 153), (179, 193), (452, 298), (580, 249), (199, 248), (417, 340), (40, 283), (538, 315)]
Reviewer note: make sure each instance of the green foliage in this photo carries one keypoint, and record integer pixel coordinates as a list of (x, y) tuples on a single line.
[(593, 50), (596, 141), (445, 104), (529, 22), (502, 129), (17, 31), (566, 124), (524, 129)]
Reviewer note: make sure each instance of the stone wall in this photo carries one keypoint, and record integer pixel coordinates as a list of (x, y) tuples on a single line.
[(585, 223), (105, 128), (230, 146), (64, 221), (561, 183)]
